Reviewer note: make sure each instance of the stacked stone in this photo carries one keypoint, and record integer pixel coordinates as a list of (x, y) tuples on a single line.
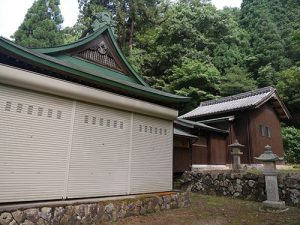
[(94, 213), (241, 185)]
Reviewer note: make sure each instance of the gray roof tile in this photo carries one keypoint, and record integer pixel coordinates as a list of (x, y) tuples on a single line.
[(231, 103)]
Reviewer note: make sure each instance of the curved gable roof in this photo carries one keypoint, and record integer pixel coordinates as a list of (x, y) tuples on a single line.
[(69, 50)]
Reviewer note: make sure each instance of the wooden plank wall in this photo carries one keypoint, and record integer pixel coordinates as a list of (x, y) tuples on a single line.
[(182, 155), (218, 149), (267, 117), (200, 151)]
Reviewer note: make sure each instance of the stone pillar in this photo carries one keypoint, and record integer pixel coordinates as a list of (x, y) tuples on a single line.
[(236, 153), (269, 159)]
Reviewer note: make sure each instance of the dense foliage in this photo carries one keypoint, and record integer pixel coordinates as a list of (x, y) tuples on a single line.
[(289, 88), (131, 16), (291, 143), (189, 47), (41, 26)]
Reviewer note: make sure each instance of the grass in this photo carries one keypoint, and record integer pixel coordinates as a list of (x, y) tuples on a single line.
[(213, 210), (295, 168)]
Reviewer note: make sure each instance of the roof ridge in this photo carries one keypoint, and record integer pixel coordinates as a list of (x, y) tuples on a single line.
[(238, 96)]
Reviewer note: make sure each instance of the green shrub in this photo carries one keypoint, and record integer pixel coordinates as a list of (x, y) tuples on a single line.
[(291, 144)]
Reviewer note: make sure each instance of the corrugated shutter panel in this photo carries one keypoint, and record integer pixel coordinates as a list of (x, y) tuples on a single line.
[(100, 152), (51, 147), (34, 135), (151, 156)]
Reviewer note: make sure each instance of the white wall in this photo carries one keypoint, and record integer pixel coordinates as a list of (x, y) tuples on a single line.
[(78, 149)]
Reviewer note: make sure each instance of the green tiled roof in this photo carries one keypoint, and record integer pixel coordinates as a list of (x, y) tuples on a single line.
[(58, 60), (61, 50)]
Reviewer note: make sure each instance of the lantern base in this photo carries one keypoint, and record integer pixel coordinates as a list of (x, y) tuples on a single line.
[(280, 205)]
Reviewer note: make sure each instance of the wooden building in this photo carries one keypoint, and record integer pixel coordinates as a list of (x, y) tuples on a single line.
[(77, 121), (253, 118), (196, 143)]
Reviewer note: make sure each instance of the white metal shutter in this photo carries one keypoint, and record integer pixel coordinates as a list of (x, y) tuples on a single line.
[(34, 135), (100, 152), (151, 155)]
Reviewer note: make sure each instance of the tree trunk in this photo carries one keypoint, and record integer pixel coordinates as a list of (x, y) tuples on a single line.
[(130, 44)]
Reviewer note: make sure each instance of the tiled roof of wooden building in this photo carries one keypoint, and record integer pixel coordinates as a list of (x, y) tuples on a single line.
[(246, 100)]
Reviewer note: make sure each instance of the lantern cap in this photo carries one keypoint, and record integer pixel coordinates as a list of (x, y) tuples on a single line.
[(268, 155), (236, 144)]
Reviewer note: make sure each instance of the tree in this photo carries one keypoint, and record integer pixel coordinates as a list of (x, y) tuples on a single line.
[(265, 40), (71, 34), (41, 26), (191, 49), (131, 16), (195, 30), (227, 56), (272, 26), (88, 9), (233, 50), (236, 80), (288, 88), (194, 79), (294, 45), (291, 143), (266, 76), (194, 73), (285, 14)]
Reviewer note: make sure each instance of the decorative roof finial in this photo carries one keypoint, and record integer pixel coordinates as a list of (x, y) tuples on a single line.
[(102, 19)]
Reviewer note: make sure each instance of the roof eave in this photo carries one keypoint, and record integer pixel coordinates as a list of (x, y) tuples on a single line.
[(188, 123), (182, 133), (219, 119), (183, 123), (274, 94)]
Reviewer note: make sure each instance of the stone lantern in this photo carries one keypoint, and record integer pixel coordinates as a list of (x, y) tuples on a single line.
[(236, 153), (269, 159)]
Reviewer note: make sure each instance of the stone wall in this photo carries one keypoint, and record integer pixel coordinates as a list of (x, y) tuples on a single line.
[(241, 185), (91, 213)]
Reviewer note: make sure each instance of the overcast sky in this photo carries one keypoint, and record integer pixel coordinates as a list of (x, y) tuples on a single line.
[(221, 3), (12, 12)]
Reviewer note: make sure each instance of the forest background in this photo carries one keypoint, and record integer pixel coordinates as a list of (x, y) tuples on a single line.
[(190, 48)]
